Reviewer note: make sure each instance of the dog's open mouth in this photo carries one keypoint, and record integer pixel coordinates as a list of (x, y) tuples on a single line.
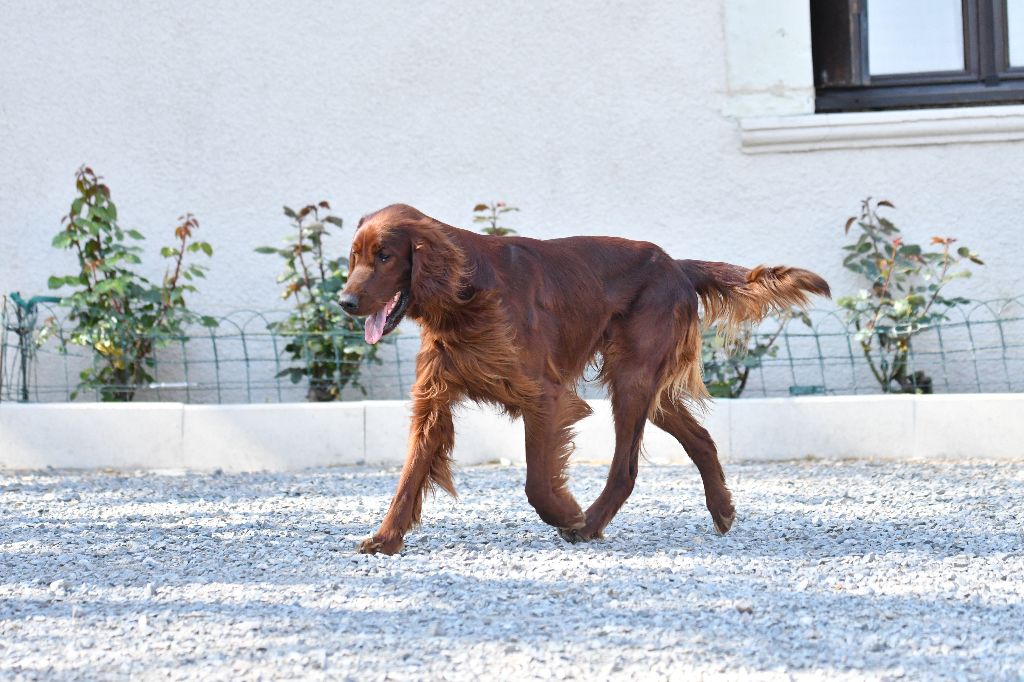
[(387, 318)]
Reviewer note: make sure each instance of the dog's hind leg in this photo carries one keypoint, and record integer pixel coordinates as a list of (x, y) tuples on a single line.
[(642, 355), (548, 426), (631, 394), (677, 420)]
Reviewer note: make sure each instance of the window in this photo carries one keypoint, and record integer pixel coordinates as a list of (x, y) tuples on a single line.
[(897, 54)]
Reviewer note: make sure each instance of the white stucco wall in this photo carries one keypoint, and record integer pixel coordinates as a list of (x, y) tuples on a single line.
[(609, 118)]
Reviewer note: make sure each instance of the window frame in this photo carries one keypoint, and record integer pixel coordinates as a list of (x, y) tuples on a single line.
[(839, 46)]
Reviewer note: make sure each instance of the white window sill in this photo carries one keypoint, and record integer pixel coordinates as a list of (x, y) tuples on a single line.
[(813, 132)]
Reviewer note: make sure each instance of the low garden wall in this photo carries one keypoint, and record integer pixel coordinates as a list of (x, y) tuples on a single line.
[(300, 435)]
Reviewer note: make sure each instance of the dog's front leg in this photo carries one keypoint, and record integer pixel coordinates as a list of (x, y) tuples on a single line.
[(427, 464)]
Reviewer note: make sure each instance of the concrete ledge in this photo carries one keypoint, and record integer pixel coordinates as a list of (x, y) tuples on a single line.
[(482, 434), (91, 435), (386, 431), (990, 426), (595, 435), (828, 427), (273, 437), (300, 435)]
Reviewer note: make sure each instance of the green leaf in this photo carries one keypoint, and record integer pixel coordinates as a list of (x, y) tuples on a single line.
[(207, 249), (887, 226), (107, 285), (168, 252), (333, 220), (62, 240), (55, 282), (266, 249), (152, 295), (134, 234), (208, 321), (332, 285), (86, 224), (99, 212)]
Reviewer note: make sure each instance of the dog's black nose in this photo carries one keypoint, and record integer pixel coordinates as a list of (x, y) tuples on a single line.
[(349, 302)]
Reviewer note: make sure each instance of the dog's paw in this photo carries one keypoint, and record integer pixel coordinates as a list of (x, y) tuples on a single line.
[(723, 520), (574, 535), (375, 545)]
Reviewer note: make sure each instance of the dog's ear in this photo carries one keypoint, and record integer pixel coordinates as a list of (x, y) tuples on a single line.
[(438, 265)]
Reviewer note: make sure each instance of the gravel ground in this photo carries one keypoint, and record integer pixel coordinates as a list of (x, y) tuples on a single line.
[(842, 570)]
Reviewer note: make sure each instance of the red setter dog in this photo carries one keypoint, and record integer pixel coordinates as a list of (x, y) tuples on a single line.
[(514, 322)]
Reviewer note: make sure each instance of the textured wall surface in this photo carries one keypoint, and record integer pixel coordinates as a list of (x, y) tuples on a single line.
[(594, 119)]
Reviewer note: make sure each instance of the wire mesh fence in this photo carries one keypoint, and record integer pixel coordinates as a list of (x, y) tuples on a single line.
[(242, 360), (980, 349)]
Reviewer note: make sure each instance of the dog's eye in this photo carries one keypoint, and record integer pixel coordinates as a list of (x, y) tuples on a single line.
[(383, 257)]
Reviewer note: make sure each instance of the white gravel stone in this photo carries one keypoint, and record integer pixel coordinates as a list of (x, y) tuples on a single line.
[(846, 570)]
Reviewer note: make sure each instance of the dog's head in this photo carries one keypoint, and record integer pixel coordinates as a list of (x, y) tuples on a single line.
[(400, 260)]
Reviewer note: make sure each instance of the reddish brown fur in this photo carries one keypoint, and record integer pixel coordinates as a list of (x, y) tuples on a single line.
[(514, 322)]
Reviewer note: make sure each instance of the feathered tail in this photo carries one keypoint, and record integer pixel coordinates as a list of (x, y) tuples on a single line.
[(733, 296)]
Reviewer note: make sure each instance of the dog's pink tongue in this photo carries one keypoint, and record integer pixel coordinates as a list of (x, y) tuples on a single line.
[(374, 327)]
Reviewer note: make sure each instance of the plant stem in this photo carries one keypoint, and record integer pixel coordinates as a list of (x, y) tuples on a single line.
[(866, 348), (945, 268), (743, 382), (305, 270), (884, 294)]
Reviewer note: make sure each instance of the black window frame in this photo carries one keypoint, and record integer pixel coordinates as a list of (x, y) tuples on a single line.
[(842, 82)]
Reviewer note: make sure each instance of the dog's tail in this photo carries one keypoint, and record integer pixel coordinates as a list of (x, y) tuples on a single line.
[(733, 296)]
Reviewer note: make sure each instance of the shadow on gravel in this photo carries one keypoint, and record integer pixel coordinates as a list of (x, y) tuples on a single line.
[(285, 581), (695, 617), (155, 487)]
